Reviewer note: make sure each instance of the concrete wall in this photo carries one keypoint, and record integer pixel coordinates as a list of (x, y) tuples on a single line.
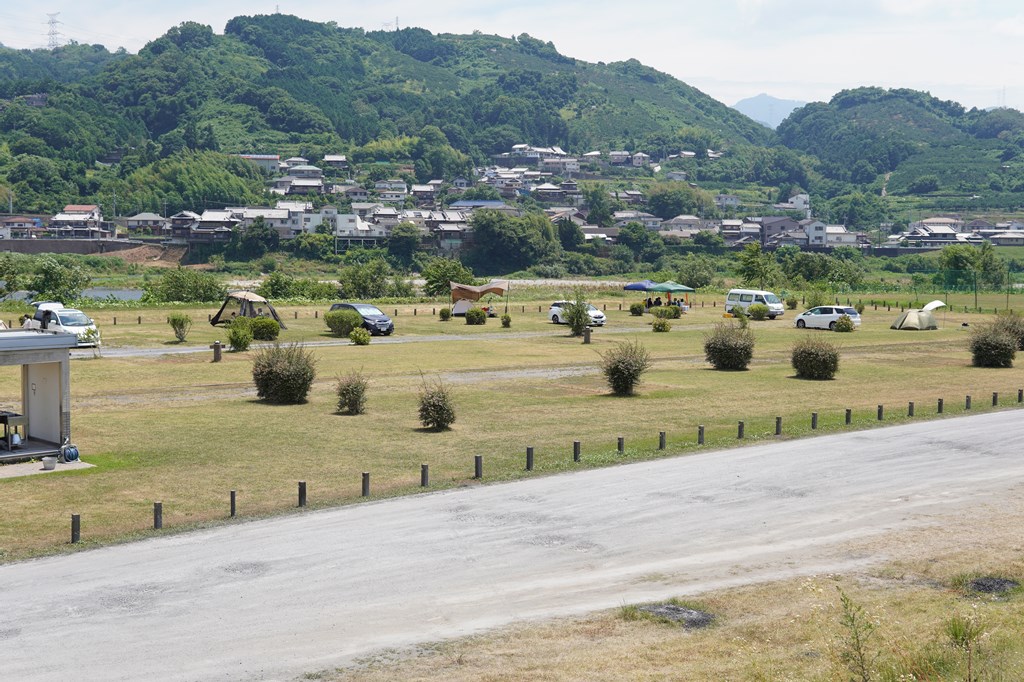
[(79, 246)]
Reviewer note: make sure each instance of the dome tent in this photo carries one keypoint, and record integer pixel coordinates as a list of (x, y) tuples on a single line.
[(918, 318)]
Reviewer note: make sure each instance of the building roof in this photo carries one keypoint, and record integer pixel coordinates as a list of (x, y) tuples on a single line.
[(146, 216)]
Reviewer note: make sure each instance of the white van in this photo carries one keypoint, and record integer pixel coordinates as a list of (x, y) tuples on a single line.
[(54, 317), (744, 298)]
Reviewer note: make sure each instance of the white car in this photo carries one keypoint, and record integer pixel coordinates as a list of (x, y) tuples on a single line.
[(55, 317), (557, 314), (825, 316)]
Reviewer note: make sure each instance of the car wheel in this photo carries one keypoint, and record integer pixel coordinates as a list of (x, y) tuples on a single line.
[(800, 324), (554, 319), (832, 326), (772, 317)]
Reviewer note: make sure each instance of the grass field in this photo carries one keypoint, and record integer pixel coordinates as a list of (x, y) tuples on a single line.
[(180, 429)]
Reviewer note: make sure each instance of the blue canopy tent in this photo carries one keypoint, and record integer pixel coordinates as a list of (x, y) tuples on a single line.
[(639, 286)]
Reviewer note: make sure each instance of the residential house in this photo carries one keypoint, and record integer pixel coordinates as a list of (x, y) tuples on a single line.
[(838, 235), (424, 193), (620, 158), (683, 222), (953, 223), (775, 225), (21, 227), (81, 221), (353, 192), (676, 176), (548, 192), (147, 222), (353, 231), (629, 196), (365, 209), (797, 202), (337, 161), (815, 231), (268, 163), (641, 160), (623, 218), (726, 202), (1012, 238)]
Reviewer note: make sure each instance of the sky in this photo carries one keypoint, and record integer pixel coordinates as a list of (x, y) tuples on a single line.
[(963, 50)]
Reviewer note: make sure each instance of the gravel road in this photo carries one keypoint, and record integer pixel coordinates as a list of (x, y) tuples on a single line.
[(277, 598)]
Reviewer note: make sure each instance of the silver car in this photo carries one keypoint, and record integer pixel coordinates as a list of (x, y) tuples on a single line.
[(557, 314), (825, 316)]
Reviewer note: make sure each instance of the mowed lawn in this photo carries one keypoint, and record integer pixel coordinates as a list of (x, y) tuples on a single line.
[(182, 430)]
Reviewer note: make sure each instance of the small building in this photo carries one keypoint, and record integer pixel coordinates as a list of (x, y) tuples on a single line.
[(42, 411)]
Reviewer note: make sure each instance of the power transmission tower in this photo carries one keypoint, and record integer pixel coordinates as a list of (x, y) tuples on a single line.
[(53, 35)]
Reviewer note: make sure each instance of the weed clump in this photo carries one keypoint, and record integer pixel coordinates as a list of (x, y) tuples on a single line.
[(181, 324), (437, 408)]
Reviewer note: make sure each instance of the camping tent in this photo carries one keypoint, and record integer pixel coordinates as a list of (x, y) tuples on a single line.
[(464, 295), (244, 304), (918, 318), (670, 288)]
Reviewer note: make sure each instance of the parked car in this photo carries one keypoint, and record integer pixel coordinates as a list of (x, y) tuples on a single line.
[(744, 298), (374, 319), (53, 316), (557, 314), (825, 316)]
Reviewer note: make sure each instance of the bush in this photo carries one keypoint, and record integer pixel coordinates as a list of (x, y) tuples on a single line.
[(506, 321), (265, 328), (437, 409), (577, 314), (741, 317), (184, 285), (181, 324), (728, 347), (816, 298), (636, 309), (859, 308), (476, 316), (240, 334), (815, 358), (283, 374), (1012, 324), (992, 346), (359, 336), (667, 312), (342, 322), (791, 303), (844, 324), (351, 392), (758, 311), (445, 314), (624, 365), (661, 325)]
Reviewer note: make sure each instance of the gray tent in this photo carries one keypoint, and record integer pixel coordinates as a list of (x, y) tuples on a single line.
[(244, 304), (918, 318)]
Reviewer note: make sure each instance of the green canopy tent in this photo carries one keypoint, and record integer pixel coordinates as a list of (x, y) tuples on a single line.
[(670, 288)]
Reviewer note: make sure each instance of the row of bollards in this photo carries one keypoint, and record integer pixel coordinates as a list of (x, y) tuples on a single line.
[(478, 460)]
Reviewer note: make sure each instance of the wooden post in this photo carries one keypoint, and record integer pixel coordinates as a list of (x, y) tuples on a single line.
[(366, 484), (529, 458), (849, 416), (661, 440), (622, 445), (296, 314), (217, 350), (140, 319), (910, 409), (302, 493), (158, 515), (881, 413), (424, 475), (575, 451), (586, 335), (814, 421), (967, 402), (940, 406), (995, 399), (478, 466), (778, 426), (739, 431), (115, 320), (233, 508), (700, 434), (76, 528), (1020, 395)]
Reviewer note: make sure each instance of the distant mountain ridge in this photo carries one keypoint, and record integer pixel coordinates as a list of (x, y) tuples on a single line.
[(767, 110)]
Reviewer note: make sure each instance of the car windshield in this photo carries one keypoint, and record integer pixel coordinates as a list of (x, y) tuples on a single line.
[(367, 309), (73, 318), (772, 298), (593, 308)]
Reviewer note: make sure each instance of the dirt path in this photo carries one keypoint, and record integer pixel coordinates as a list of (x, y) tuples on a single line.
[(277, 598)]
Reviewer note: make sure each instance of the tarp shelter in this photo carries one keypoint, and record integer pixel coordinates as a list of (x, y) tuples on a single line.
[(643, 285), (465, 295), (918, 318), (244, 304)]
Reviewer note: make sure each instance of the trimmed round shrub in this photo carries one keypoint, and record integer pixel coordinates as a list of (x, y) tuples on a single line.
[(661, 325), (437, 409), (445, 314), (758, 311), (181, 324), (359, 336), (351, 392), (992, 347), (624, 365), (791, 303), (815, 358), (240, 334), (265, 329), (636, 309), (728, 347), (506, 321), (667, 312), (844, 324), (342, 322), (476, 316), (1012, 324), (283, 374)]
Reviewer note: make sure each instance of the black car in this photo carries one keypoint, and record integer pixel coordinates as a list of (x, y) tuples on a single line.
[(374, 319)]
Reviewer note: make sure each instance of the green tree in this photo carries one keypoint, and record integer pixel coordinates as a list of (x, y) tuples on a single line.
[(184, 285), (440, 272), (569, 234), (403, 243), (57, 281), (669, 199), (254, 241), (711, 242), (757, 267), (504, 243), (599, 205)]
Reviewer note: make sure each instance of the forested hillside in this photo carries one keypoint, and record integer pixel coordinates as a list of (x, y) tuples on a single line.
[(281, 84)]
